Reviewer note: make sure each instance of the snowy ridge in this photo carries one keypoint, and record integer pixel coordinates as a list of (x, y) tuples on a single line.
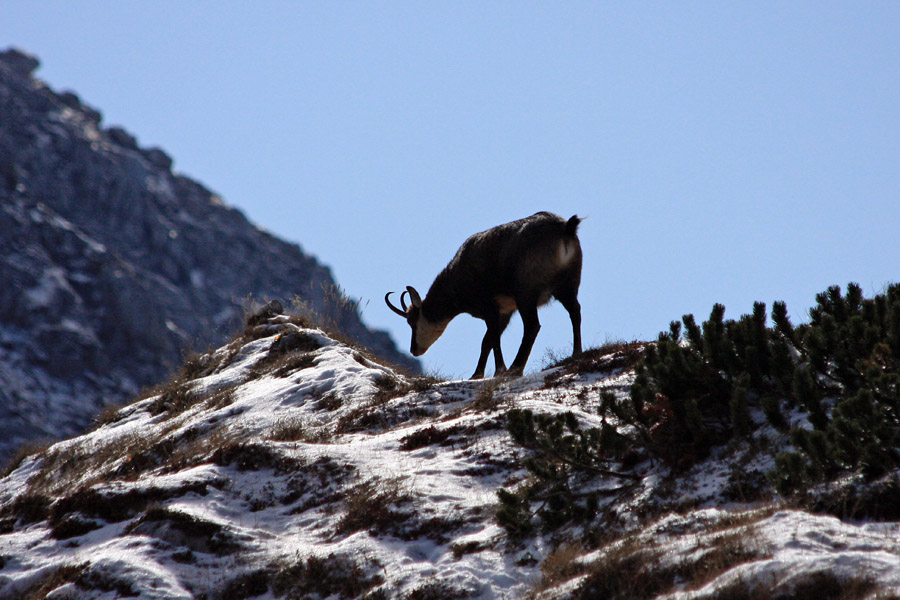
[(288, 464)]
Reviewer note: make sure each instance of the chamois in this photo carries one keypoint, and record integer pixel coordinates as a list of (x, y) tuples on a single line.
[(516, 266)]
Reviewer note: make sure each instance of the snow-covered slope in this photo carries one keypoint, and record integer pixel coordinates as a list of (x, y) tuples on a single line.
[(287, 464)]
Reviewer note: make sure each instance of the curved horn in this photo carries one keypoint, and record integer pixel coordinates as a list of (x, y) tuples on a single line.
[(414, 296), (402, 313), (403, 301)]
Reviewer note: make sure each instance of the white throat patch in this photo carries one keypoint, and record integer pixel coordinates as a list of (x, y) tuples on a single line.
[(427, 333)]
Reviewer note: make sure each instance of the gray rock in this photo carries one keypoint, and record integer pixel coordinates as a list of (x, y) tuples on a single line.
[(20, 62), (121, 137), (159, 158)]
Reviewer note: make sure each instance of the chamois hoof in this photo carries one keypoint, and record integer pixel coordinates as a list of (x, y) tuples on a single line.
[(513, 372)]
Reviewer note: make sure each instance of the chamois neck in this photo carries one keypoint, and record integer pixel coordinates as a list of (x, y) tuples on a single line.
[(440, 303)]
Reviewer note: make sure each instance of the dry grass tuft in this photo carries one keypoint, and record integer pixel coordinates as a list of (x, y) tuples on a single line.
[(823, 585), (724, 552), (561, 565), (429, 436), (174, 398), (183, 529), (605, 359), (329, 402), (24, 451), (371, 505), (487, 400), (111, 413), (252, 456), (290, 352), (53, 579), (626, 570), (437, 589), (297, 429), (332, 576), (631, 569), (28, 508), (316, 483), (85, 579), (460, 549)]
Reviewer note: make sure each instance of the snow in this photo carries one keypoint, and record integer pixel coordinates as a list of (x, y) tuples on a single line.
[(800, 545), (276, 501), (52, 283)]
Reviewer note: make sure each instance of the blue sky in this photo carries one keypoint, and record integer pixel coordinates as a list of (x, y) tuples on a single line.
[(722, 151)]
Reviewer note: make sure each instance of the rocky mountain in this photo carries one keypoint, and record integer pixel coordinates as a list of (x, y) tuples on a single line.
[(112, 265), (286, 464)]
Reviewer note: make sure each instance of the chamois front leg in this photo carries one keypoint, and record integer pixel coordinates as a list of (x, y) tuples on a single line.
[(532, 325), (491, 341), (487, 344), (570, 302), (499, 365)]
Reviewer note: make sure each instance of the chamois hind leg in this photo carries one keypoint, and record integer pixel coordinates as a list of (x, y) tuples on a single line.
[(531, 325), (569, 300)]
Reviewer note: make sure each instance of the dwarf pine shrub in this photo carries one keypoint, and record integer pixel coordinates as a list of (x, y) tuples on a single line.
[(852, 347), (694, 391), (697, 386), (564, 454)]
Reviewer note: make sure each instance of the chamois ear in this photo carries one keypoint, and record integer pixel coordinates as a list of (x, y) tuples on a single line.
[(414, 296)]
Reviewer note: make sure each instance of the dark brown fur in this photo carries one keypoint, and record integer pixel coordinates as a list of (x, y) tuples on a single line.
[(515, 266)]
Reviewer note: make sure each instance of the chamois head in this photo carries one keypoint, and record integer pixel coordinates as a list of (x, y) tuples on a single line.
[(424, 332)]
